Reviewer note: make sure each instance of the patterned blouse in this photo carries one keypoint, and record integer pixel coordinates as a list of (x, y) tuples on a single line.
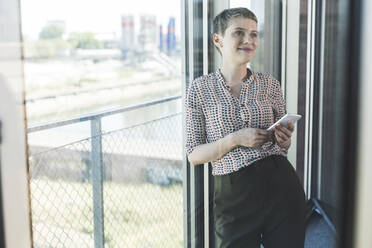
[(213, 112)]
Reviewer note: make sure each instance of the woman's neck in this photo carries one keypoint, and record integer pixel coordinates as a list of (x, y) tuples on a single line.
[(233, 74)]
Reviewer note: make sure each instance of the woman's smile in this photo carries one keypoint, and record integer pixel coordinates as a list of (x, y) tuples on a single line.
[(246, 49)]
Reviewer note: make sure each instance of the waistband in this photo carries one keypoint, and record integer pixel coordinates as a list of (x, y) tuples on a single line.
[(259, 164)]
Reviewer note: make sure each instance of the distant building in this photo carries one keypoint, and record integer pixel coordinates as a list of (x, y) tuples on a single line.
[(148, 33), (161, 46), (171, 37), (127, 35), (110, 40)]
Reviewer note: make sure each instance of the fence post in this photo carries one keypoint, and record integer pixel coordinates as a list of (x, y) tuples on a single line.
[(97, 182)]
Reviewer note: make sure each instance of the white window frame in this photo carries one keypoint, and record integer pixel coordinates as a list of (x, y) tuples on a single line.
[(16, 222)]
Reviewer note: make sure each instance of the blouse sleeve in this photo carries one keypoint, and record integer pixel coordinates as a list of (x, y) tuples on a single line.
[(195, 119), (278, 104)]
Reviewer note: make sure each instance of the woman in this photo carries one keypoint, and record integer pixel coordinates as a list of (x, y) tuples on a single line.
[(258, 197)]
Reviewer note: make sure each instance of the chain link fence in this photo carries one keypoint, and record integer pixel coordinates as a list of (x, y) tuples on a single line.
[(135, 200)]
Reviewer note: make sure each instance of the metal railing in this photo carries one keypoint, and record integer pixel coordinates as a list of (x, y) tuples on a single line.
[(98, 115), (116, 160)]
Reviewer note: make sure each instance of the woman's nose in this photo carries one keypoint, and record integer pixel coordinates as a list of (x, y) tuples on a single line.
[(247, 38)]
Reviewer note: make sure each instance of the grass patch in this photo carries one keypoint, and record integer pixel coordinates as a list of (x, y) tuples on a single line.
[(135, 215)]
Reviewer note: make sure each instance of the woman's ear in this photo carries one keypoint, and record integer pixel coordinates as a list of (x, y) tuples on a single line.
[(217, 40)]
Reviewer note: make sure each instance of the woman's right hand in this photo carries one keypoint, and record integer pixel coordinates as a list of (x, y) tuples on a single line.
[(252, 137)]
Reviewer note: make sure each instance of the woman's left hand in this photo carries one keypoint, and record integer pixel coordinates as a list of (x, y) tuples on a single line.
[(283, 134)]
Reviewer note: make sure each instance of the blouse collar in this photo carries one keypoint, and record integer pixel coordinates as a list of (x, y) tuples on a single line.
[(221, 79)]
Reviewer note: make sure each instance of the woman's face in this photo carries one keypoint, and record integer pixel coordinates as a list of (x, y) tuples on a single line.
[(240, 41)]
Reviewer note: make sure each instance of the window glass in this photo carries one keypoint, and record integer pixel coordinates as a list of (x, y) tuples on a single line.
[(104, 177), (336, 67)]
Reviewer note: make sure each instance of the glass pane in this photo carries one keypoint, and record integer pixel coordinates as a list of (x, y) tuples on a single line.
[(334, 99), (104, 177)]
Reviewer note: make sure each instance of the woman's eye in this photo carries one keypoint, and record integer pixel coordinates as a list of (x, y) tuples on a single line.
[(239, 32), (254, 35)]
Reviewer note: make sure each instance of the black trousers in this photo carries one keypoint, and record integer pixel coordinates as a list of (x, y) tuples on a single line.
[(261, 203)]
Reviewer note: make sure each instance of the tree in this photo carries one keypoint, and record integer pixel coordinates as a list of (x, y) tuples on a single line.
[(85, 41), (51, 32)]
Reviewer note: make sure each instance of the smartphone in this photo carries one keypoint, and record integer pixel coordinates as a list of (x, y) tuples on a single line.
[(284, 120)]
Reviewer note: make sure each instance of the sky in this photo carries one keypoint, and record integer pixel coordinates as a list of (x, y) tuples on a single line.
[(95, 16)]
